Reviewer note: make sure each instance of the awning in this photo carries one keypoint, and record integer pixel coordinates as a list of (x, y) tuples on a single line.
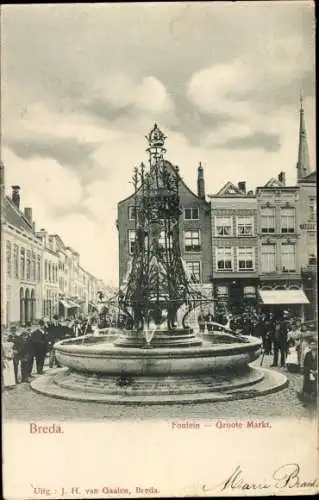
[(68, 304), (283, 297), (73, 304)]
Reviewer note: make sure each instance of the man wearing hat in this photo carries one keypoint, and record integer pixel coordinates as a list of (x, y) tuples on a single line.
[(280, 340), (39, 341)]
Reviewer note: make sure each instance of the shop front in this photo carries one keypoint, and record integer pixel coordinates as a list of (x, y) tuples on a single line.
[(236, 295), (68, 308), (277, 300)]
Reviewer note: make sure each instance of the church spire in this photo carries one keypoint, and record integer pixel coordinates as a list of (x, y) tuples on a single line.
[(303, 163)]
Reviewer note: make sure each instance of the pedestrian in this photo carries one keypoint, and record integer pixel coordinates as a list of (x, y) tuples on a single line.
[(8, 376), (310, 371), (55, 332), (280, 337), (267, 337), (39, 342), (209, 319), (201, 321)]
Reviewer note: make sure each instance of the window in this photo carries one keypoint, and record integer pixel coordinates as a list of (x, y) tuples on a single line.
[(223, 226), (45, 269), (222, 291), (132, 213), (28, 271), (312, 210), (22, 263), (192, 241), (312, 259), (288, 257), (49, 272), (33, 268), (39, 268), (245, 259), (244, 226), (224, 259), (16, 261), (249, 291), (268, 258), (131, 241), (9, 258), (194, 270), (268, 220), (191, 214), (287, 220)]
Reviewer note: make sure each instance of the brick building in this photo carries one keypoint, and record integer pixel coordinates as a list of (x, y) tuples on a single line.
[(40, 276), (195, 229), (234, 246), (307, 203), (278, 220)]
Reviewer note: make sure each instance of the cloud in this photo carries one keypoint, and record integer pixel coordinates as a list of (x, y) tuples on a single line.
[(45, 183), (258, 140), (81, 92), (66, 150)]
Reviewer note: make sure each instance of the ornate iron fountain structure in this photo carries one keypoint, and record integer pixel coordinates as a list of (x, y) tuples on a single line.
[(157, 283)]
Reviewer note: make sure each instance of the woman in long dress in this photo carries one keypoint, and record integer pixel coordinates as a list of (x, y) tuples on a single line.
[(310, 371), (8, 377)]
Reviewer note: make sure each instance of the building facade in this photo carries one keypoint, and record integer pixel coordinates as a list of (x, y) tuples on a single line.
[(234, 246), (307, 248), (194, 229), (40, 275), (278, 221), (21, 263), (307, 209)]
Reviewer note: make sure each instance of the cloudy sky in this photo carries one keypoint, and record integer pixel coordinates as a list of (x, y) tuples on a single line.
[(83, 84)]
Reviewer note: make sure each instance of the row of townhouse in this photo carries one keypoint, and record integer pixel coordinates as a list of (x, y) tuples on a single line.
[(40, 275), (246, 247)]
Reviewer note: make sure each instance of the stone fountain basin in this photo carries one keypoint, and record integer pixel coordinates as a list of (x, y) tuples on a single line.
[(99, 355)]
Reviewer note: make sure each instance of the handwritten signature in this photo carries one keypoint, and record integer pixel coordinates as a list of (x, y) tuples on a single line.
[(286, 476)]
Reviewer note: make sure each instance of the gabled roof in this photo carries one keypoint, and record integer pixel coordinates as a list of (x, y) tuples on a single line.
[(229, 190), (16, 218), (171, 169), (311, 178), (273, 182)]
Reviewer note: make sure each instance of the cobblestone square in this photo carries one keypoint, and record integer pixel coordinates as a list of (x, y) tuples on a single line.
[(23, 404)]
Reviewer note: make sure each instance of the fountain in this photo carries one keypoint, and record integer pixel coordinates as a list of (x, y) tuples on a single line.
[(156, 359)]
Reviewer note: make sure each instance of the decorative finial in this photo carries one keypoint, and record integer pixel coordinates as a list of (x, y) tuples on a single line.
[(301, 100), (156, 138)]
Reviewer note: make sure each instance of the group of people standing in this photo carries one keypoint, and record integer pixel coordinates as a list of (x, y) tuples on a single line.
[(286, 339), (24, 348)]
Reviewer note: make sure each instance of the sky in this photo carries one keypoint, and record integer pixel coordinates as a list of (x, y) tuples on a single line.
[(83, 84)]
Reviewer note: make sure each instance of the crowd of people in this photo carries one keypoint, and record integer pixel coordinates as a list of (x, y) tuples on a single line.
[(24, 349), (291, 344)]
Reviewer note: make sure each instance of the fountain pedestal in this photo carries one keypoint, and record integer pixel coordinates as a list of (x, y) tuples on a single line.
[(178, 337)]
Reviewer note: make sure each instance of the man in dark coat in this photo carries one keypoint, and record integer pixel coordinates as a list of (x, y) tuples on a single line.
[(201, 321), (280, 340), (22, 354), (39, 341), (55, 333), (209, 319)]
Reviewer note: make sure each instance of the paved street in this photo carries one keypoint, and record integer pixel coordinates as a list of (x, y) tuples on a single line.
[(22, 403)]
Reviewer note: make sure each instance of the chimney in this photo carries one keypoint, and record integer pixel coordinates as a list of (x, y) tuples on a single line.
[(16, 196), (282, 178), (242, 186), (33, 226), (28, 214), (200, 182)]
